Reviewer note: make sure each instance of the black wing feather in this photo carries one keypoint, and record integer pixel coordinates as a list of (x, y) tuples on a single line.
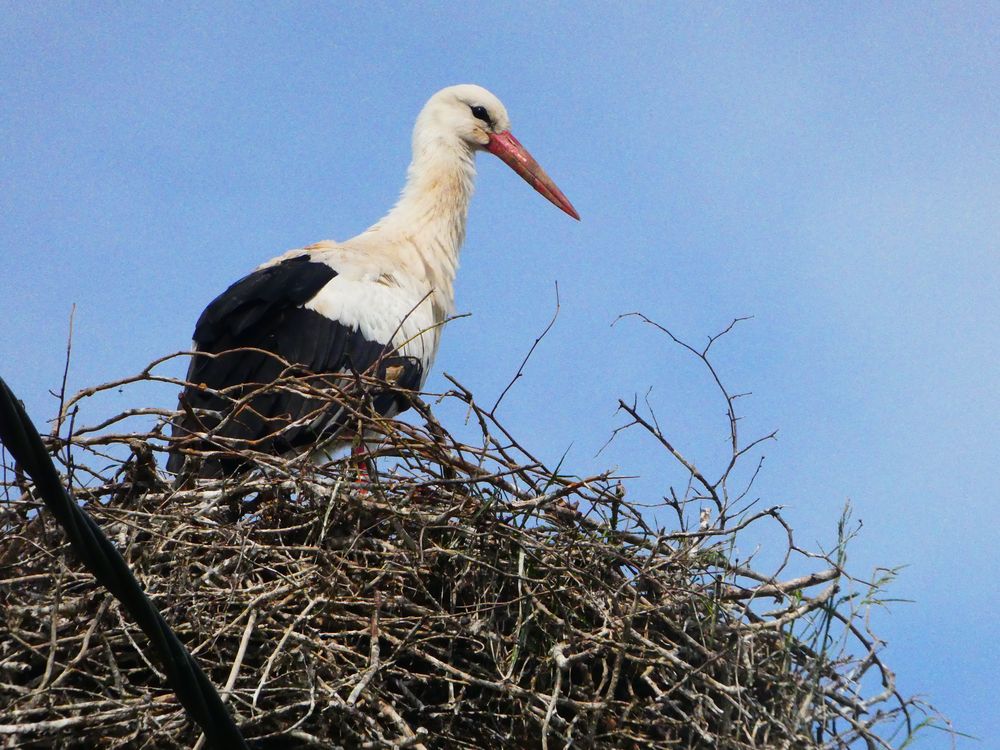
[(264, 311)]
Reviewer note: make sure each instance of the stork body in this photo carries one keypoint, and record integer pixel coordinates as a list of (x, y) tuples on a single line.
[(372, 304)]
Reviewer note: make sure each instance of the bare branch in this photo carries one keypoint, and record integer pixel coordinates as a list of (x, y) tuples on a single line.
[(469, 597), (520, 369)]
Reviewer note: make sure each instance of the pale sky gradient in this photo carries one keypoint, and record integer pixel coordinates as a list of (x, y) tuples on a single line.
[(832, 170)]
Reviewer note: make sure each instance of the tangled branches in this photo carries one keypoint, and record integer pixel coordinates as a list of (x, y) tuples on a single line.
[(451, 596)]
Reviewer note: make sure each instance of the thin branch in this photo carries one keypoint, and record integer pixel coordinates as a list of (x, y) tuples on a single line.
[(524, 362)]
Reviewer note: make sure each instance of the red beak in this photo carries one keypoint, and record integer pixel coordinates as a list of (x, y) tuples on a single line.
[(508, 148)]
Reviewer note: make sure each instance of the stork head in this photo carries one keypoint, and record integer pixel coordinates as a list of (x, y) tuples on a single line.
[(470, 117)]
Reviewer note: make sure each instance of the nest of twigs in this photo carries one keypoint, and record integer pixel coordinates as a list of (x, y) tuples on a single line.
[(459, 596)]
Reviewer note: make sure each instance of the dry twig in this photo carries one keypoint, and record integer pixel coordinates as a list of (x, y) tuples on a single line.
[(470, 598)]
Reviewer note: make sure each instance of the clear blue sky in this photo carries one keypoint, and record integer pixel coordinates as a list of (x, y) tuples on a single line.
[(833, 170)]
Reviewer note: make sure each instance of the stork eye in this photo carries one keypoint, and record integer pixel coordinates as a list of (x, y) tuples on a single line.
[(480, 113)]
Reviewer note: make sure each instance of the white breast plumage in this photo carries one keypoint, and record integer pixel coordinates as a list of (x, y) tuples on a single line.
[(385, 310)]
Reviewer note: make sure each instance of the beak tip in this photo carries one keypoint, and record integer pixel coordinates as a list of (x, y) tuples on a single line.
[(567, 207)]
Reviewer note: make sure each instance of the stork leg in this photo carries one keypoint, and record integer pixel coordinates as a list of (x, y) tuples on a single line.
[(359, 452)]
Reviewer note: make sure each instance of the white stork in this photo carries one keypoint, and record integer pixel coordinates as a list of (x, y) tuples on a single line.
[(373, 303)]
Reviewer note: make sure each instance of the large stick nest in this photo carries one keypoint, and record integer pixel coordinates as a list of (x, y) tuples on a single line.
[(456, 596)]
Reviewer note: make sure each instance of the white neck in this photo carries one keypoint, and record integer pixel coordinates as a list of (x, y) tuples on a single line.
[(431, 212)]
